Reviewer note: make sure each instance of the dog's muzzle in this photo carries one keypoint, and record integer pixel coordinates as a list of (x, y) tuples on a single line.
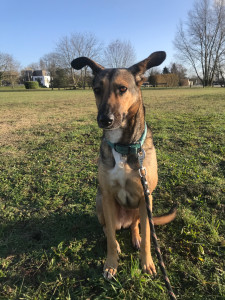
[(105, 121)]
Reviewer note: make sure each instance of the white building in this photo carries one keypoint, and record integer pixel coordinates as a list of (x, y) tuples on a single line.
[(42, 77)]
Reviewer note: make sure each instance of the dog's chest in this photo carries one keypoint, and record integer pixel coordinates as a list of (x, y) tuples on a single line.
[(118, 180), (118, 173)]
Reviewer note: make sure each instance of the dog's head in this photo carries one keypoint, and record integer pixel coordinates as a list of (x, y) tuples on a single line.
[(117, 91)]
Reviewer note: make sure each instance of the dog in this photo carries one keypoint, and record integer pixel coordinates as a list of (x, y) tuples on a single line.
[(120, 199)]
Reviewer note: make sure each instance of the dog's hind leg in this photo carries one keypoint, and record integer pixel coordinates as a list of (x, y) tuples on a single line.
[(136, 239)]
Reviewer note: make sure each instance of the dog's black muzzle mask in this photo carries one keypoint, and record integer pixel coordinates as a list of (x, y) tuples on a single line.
[(105, 121)]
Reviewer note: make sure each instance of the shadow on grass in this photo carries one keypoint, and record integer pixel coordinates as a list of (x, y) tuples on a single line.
[(38, 250), (44, 233)]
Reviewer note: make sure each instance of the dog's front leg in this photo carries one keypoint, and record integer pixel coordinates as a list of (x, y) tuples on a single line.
[(146, 258), (109, 210)]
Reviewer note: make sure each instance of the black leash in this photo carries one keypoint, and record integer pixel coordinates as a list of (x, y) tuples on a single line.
[(142, 172)]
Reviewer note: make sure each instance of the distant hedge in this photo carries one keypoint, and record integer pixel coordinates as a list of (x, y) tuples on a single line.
[(31, 85), (164, 80)]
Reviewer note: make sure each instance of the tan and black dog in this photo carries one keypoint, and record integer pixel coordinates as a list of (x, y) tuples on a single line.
[(120, 200)]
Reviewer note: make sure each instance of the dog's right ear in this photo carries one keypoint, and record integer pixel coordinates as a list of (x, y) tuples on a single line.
[(81, 62)]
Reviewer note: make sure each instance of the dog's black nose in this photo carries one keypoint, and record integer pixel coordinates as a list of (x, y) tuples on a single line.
[(105, 121)]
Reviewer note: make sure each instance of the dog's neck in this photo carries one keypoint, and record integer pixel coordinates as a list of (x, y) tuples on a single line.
[(132, 131)]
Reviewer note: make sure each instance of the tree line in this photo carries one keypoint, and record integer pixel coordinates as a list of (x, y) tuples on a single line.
[(174, 75), (199, 43), (116, 54)]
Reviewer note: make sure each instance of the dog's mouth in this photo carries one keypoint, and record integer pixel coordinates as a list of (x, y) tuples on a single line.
[(111, 127)]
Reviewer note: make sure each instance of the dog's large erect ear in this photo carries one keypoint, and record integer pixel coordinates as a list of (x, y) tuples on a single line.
[(154, 60), (81, 62)]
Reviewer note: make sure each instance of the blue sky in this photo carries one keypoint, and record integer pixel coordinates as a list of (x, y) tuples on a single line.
[(31, 29)]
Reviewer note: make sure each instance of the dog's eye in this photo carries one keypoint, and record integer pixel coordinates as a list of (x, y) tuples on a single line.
[(122, 89), (97, 90)]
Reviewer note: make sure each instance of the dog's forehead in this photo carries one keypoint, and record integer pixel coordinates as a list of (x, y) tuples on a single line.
[(114, 76)]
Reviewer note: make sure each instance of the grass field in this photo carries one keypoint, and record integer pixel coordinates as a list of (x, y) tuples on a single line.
[(51, 245)]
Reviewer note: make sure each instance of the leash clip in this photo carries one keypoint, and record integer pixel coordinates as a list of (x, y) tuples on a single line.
[(142, 171), (141, 157)]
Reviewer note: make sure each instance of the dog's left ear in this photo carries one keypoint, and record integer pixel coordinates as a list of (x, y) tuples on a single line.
[(154, 60), (81, 62)]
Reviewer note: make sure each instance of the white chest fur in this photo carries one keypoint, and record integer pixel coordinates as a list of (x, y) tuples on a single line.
[(118, 177), (117, 174)]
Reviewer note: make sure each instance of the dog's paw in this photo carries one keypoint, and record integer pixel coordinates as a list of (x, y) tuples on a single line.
[(136, 239), (110, 268), (148, 266)]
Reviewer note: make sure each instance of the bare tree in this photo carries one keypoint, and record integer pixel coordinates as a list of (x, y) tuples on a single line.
[(50, 62), (4, 59), (4, 64), (201, 43), (9, 69), (76, 45), (179, 70), (220, 74), (33, 66), (119, 54)]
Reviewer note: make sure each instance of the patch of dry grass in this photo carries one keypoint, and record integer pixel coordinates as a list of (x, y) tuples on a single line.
[(23, 110)]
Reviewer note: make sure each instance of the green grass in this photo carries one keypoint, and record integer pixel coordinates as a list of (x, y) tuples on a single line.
[(51, 245)]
